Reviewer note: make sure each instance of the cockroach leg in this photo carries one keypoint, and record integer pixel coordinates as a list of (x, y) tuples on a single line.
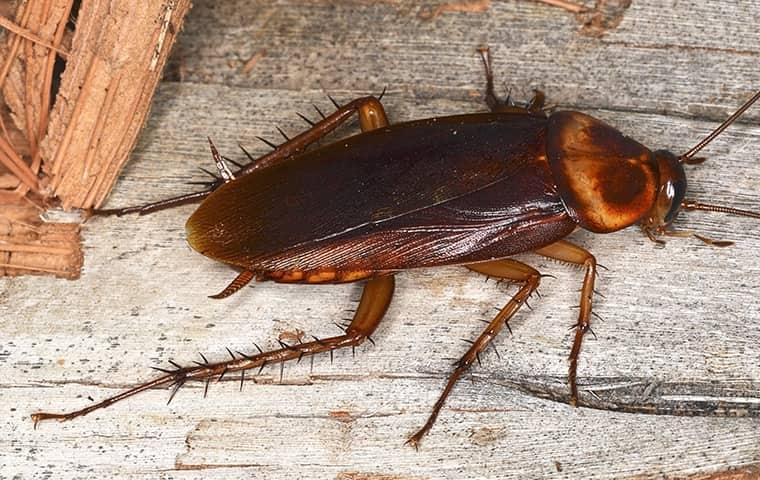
[(492, 100), (712, 242), (652, 235), (239, 282), (496, 104), (374, 302), (536, 104), (271, 145), (225, 174), (151, 207), (511, 270), (306, 119), (706, 240), (565, 251), (235, 162), (371, 115)]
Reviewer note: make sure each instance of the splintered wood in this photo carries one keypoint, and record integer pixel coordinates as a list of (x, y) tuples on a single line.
[(29, 245), (65, 136)]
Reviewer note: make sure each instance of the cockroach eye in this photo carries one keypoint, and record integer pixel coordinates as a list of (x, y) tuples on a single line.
[(672, 189), (677, 192)]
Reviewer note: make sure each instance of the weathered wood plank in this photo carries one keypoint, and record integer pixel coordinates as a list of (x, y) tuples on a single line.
[(675, 320), (680, 321), (686, 57)]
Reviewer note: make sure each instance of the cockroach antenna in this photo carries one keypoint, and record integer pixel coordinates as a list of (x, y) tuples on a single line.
[(688, 157), (691, 205)]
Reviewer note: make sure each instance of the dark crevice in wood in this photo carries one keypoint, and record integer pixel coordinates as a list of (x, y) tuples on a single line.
[(688, 48), (618, 394), (647, 395), (476, 105)]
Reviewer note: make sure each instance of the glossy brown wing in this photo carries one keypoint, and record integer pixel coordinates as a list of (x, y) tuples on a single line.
[(514, 215), (360, 182), (607, 180)]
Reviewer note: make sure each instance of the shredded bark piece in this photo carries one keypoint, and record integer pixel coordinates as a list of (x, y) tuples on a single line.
[(55, 149), (29, 245), (117, 56)]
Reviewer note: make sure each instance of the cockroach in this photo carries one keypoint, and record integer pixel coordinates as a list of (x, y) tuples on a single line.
[(469, 190)]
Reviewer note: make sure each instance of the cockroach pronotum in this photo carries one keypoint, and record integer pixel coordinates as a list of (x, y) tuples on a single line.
[(467, 190)]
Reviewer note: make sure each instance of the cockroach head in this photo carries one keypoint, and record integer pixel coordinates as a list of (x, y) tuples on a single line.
[(670, 194), (672, 189)]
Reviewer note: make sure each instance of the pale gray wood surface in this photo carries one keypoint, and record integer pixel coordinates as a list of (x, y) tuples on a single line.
[(681, 325)]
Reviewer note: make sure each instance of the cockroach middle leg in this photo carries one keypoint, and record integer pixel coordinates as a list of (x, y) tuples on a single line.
[(371, 116), (565, 251), (503, 269), (495, 104), (374, 302)]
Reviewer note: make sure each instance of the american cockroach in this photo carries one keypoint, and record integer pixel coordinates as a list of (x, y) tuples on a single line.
[(469, 190)]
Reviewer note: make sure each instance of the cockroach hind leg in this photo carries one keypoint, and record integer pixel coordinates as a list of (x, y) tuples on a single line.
[(376, 297), (334, 102), (280, 153), (215, 181), (234, 162), (328, 123), (306, 119), (225, 175), (271, 145)]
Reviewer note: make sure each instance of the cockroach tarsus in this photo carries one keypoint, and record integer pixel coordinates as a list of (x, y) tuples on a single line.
[(469, 190)]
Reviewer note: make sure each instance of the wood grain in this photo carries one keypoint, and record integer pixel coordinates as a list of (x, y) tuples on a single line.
[(679, 335)]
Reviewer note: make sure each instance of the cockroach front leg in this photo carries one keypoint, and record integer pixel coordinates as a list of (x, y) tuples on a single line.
[(374, 302), (505, 269), (371, 115), (565, 251)]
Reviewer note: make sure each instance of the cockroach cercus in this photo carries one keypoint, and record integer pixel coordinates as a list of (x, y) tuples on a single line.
[(469, 190)]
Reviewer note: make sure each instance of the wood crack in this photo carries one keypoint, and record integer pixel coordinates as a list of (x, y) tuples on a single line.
[(687, 48), (617, 394)]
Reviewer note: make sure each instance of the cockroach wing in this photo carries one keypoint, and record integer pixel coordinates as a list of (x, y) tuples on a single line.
[(606, 180), (515, 215), (344, 188)]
